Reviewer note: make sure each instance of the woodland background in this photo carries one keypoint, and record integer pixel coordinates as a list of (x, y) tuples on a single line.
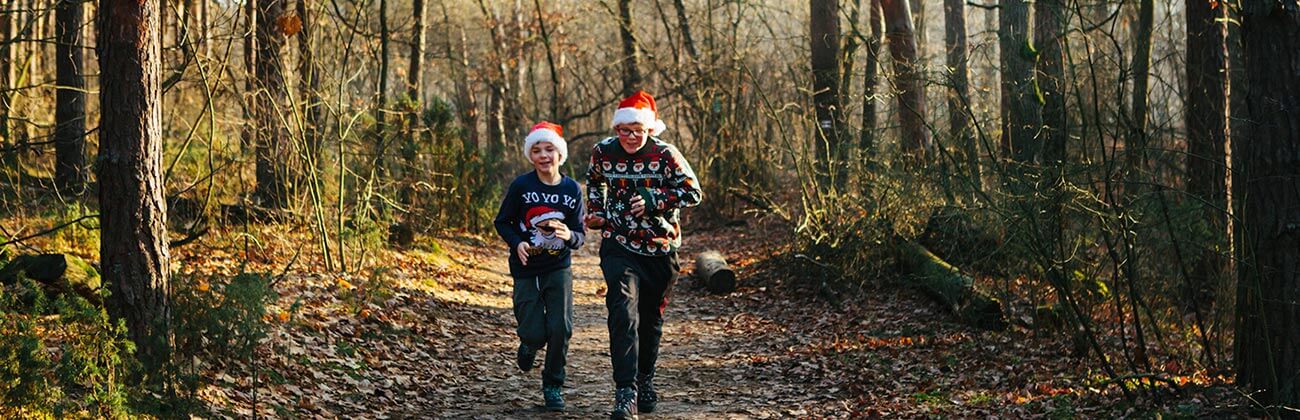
[(1121, 176)]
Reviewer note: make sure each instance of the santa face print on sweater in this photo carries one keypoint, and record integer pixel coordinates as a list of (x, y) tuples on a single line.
[(541, 237)]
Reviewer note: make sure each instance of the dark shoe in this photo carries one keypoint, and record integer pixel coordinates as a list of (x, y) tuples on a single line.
[(525, 357), (646, 398), (624, 404), (554, 398)]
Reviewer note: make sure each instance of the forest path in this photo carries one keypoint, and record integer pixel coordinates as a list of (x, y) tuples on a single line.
[(702, 371)]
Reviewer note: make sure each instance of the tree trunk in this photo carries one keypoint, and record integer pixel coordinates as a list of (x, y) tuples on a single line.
[(1207, 137), (1268, 318), (959, 115), (870, 78), (466, 103), (918, 25), (824, 32), (70, 111), (687, 41), (631, 57), (381, 92), (911, 98), (1019, 104), (415, 76), (1136, 143), (558, 109), (274, 149), (1049, 36), (308, 82), (7, 33), (133, 217)]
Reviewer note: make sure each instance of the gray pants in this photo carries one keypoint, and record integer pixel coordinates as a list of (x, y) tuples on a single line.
[(544, 311)]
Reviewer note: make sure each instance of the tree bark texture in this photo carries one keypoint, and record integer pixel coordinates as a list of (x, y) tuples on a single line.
[(1020, 105), (309, 81), (870, 78), (824, 33), (133, 217), (1268, 301), (7, 32), (1137, 140), (70, 109), (558, 109), (274, 147), (1207, 138), (631, 57), (415, 75), (1049, 36), (466, 102), (954, 12), (381, 94), (951, 287), (687, 41), (911, 82)]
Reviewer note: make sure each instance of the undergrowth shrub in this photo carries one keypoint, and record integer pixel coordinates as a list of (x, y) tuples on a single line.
[(71, 363)]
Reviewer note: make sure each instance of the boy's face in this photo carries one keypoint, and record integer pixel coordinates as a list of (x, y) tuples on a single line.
[(631, 136), (544, 156)]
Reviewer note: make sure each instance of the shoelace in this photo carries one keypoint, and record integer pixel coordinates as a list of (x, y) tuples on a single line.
[(624, 401)]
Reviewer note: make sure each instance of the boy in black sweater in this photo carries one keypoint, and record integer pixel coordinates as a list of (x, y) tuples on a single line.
[(636, 185)]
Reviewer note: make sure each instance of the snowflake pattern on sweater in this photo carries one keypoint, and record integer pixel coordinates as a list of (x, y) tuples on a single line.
[(660, 174)]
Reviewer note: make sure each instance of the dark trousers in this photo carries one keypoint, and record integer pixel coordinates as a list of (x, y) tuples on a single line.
[(544, 310), (639, 287)]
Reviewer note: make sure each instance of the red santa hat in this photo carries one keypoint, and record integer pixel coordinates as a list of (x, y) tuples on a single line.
[(548, 132), (639, 108), (539, 214)]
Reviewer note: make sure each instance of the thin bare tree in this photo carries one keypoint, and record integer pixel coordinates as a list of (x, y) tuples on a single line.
[(70, 109), (916, 139)]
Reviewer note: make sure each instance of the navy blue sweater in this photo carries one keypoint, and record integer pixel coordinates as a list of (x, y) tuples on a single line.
[(527, 202)]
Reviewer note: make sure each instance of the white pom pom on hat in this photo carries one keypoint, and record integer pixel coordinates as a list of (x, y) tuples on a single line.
[(639, 108), (546, 131)]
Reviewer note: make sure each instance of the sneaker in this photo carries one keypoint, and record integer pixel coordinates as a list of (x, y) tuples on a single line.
[(624, 404), (646, 398), (525, 357), (554, 398)]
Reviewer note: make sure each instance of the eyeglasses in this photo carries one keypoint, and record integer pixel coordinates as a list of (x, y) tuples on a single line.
[(627, 132)]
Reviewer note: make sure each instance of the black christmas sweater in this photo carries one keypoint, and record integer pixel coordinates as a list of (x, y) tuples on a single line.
[(660, 174), (529, 201)]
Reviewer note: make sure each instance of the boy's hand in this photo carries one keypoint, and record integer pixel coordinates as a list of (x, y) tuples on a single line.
[(593, 221), (561, 230), (522, 250), (638, 206)]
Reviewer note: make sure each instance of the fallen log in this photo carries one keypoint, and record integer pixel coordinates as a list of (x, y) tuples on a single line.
[(712, 269), (950, 287)]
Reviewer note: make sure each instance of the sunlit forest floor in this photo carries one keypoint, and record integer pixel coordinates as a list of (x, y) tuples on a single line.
[(428, 332)]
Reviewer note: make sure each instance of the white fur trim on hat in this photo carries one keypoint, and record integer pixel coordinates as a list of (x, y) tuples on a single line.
[(545, 135), (645, 116)]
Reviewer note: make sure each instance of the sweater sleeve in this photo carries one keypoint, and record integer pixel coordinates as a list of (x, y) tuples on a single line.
[(596, 184), (506, 214), (574, 221), (683, 188)]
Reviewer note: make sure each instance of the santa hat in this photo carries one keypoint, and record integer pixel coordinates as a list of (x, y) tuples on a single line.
[(539, 214), (547, 132), (639, 108)]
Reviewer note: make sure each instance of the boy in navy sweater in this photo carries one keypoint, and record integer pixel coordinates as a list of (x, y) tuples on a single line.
[(541, 220)]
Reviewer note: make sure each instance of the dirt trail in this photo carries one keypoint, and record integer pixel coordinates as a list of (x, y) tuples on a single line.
[(691, 372)]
